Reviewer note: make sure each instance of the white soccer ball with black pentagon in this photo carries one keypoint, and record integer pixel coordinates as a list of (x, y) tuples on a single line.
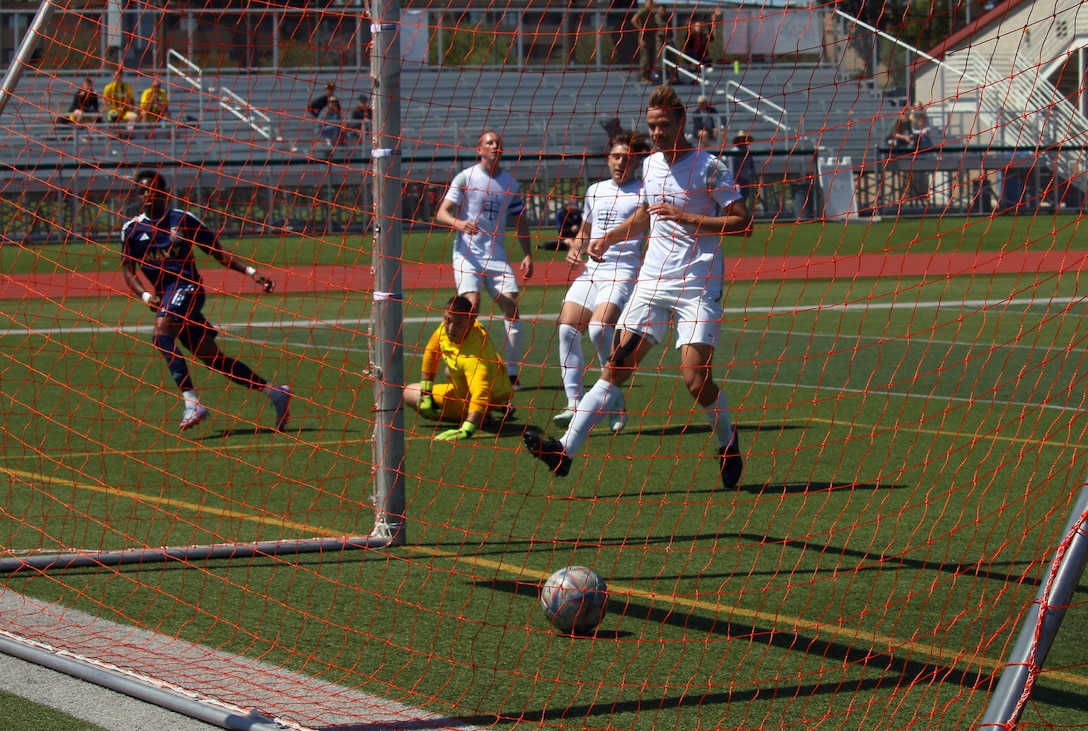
[(574, 599)]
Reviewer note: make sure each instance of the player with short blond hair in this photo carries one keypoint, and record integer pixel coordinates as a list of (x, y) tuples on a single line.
[(477, 205)]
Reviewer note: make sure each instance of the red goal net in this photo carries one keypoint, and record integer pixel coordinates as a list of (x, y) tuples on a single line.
[(232, 236)]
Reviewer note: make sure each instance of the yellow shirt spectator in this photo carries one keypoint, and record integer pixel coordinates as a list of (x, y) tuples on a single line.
[(154, 104), (118, 96)]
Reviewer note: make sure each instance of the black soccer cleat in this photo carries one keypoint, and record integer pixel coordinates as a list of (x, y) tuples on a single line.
[(731, 463), (549, 451)]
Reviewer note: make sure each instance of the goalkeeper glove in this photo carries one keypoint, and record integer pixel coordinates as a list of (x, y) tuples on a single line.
[(427, 407), (467, 430)]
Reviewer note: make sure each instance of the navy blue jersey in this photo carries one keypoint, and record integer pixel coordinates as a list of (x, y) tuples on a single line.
[(164, 249)]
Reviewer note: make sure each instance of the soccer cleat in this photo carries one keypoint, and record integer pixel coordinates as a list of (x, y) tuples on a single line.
[(281, 399), (192, 416), (731, 463), (563, 418), (617, 417), (514, 384), (549, 451)]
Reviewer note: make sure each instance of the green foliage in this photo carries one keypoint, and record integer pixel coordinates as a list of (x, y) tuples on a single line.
[(466, 45)]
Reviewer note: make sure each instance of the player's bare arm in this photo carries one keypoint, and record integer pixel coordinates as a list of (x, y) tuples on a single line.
[(446, 215), (579, 244), (132, 278), (737, 220), (234, 263), (637, 223), (526, 246)]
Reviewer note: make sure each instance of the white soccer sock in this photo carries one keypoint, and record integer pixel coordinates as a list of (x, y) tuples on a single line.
[(587, 415), (512, 350), (717, 415), (190, 398), (601, 335), (572, 363)]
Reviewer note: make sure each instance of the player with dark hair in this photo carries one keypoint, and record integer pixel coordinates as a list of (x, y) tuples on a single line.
[(594, 300), (160, 244), (478, 383), (688, 202)]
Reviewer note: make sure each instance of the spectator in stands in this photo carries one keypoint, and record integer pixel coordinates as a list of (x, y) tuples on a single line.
[(922, 142), (319, 102), (744, 169), (362, 116), (476, 206), (119, 99), (704, 123), (899, 139), (84, 107), (697, 44), (652, 28), (910, 136), (332, 122), (478, 383), (154, 104)]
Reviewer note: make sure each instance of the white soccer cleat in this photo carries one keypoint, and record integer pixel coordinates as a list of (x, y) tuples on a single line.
[(281, 399), (617, 417), (563, 418), (192, 416)]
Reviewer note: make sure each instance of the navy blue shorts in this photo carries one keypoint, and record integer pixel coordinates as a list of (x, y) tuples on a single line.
[(184, 304)]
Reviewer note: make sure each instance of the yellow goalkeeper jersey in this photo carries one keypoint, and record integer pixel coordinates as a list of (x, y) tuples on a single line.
[(476, 370)]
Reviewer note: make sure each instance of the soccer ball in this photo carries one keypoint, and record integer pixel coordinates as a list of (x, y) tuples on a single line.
[(574, 599)]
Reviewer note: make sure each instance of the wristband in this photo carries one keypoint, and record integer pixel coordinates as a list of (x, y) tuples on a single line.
[(250, 271), (426, 387), (146, 297)]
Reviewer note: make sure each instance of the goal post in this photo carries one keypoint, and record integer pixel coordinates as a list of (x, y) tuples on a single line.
[(387, 313), (24, 52), (1041, 622)]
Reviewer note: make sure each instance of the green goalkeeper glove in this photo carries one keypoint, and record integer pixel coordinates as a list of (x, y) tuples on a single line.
[(467, 430), (427, 407)]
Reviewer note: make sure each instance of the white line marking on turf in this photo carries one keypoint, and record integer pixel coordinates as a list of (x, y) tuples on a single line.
[(359, 324)]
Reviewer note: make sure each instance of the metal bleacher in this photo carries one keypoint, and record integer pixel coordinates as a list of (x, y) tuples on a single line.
[(554, 125)]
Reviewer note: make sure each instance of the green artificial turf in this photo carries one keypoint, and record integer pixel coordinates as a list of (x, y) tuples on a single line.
[(913, 446)]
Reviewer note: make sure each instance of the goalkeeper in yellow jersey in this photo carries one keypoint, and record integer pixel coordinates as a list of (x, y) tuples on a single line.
[(479, 385)]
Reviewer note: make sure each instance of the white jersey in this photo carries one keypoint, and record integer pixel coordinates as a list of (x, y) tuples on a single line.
[(608, 205), (488, 201), (675, 255)]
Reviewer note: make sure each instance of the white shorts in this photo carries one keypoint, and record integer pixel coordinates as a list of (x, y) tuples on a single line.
[(591, 293), (695, 315), (497, 277)]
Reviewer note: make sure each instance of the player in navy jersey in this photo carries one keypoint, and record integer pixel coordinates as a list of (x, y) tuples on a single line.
[(159, 265)]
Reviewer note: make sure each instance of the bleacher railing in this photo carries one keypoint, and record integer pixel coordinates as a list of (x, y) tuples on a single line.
[(187, 71)]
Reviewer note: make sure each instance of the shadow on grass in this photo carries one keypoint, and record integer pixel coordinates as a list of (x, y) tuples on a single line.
[(785, 488), (893, 670), (863, 560), (257, 431)]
